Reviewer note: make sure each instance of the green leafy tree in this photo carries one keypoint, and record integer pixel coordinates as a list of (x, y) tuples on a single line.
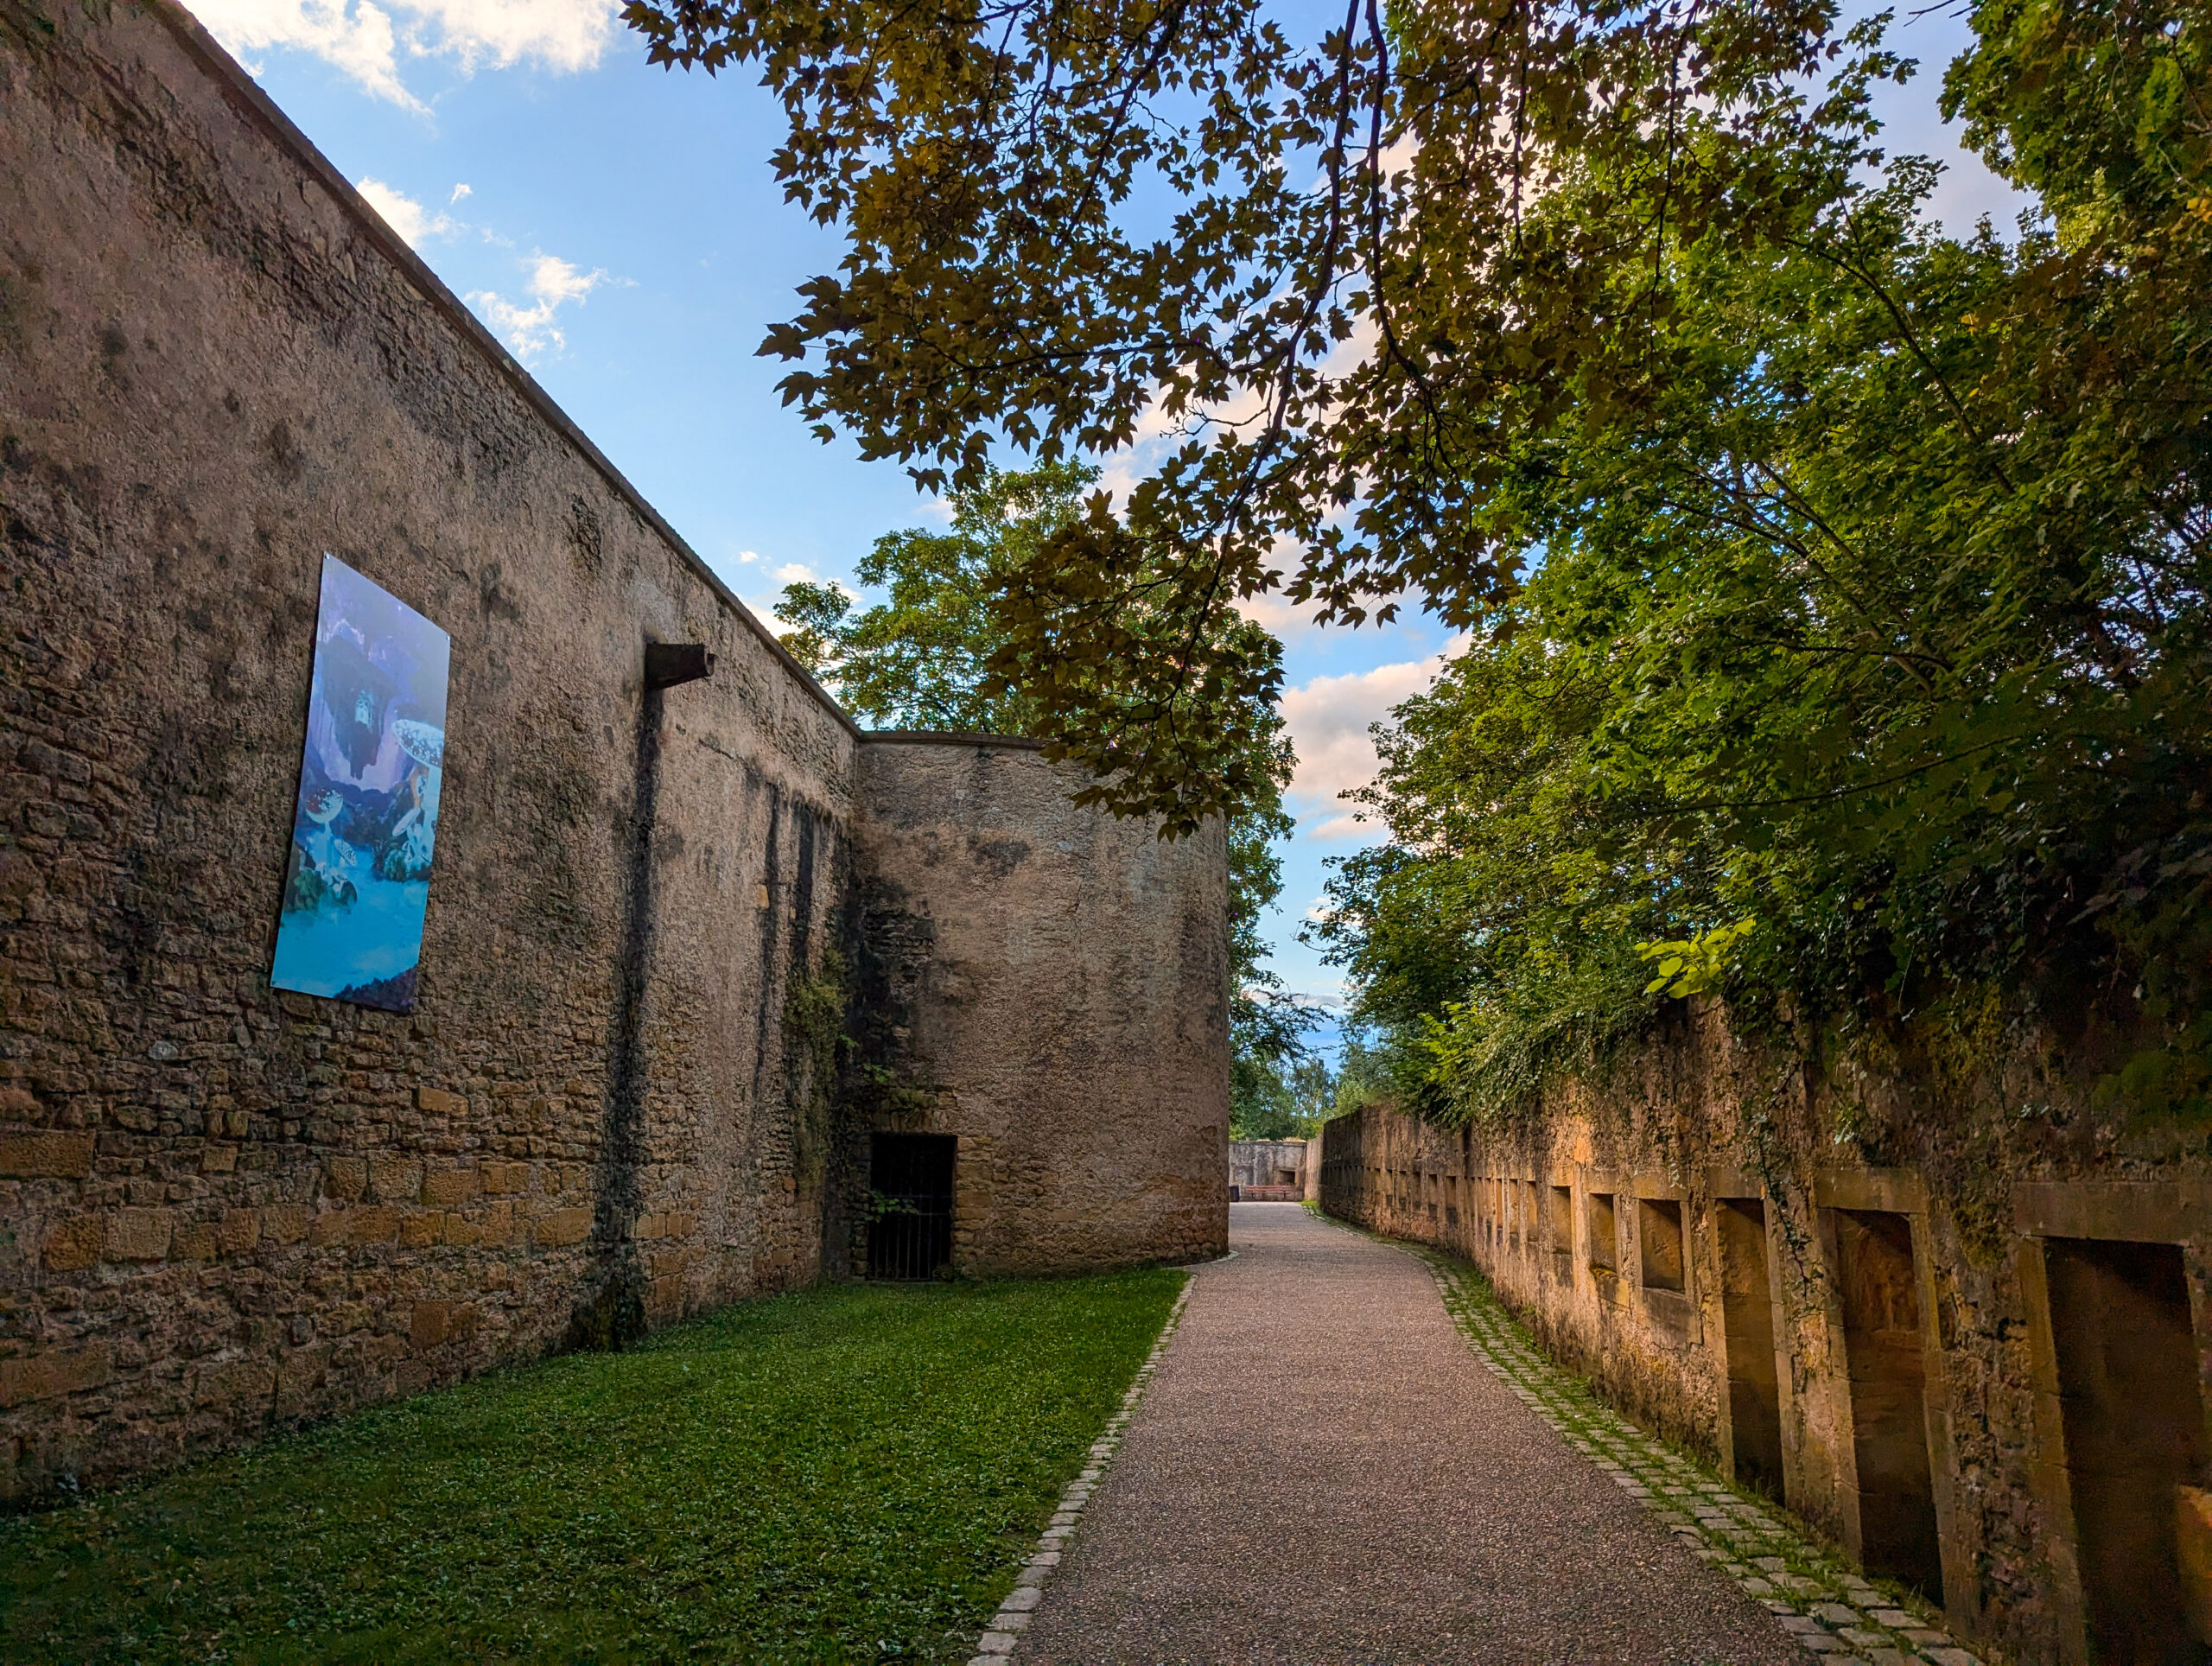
[(1314, 1087), (1830, 572), (1284, 1097), (1328, 364), (921, 659), (1363, 1073), (1262, 1103), (1825, 686)]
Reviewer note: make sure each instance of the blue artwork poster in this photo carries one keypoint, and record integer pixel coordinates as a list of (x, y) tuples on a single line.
[(359, 879)]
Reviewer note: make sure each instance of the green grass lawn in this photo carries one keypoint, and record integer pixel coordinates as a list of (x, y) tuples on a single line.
[(850, 1473)]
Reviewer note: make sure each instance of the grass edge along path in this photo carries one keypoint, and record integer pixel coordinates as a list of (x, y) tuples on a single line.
[(1015, 1612), (852, 1472), (1834, 1612)]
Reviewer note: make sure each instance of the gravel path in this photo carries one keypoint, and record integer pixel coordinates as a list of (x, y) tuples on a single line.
[(1320, 1472)]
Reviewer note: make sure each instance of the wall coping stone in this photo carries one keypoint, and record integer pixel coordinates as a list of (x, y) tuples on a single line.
[(949, 738)]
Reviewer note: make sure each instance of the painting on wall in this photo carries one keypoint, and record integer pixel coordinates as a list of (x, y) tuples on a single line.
[(357, 883)]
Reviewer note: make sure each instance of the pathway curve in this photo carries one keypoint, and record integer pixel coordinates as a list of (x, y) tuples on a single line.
[(1321, 1472)]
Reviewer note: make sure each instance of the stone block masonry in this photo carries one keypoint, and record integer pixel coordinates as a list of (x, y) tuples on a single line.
[(1831, 1609), (1978, 1378), (1051, 988), (1269, 1170), (221, 1208)]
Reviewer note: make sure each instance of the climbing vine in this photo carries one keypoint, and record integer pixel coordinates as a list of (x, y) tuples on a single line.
[(815, 1045)]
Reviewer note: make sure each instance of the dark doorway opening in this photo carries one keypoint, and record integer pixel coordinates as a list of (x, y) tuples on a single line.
[(1889, 1397), (909, 1222), (2134, 1429), (1747, 1320)]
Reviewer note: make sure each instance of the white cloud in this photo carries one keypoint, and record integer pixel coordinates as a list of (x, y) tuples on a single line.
[(790, 572), (403, 213), (365, 39), (1328, 719), (1277, 613), (458, 191), (563, 34), (797, 572), (358, 39), (530, 330)]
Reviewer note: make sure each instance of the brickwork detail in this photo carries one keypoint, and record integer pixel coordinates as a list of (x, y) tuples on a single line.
[(1050, 986)]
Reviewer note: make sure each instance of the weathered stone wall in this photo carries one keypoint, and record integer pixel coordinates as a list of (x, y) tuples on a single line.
[(1267, 1162), (1054, 987), (1727, 1303), (223, 1208), (222, 1204)]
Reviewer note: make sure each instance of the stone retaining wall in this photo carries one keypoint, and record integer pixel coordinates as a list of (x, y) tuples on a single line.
[(1977, 1375)]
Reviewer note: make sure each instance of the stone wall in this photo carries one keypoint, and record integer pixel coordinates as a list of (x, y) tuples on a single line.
[(1053, 986), (2003, 1405), (223, 1208), (1269, 1163)]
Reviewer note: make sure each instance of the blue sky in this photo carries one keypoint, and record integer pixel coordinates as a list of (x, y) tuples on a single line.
[(617, 227)]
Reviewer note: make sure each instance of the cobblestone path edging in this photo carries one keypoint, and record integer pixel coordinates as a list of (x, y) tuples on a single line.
[(1013, 1616), (1833, 1612)]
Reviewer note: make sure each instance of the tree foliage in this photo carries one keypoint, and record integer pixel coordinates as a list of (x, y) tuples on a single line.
[(923, 659), (1280, 1098), (1821, 568), (1869, 654), (919, 660), (1334, 360)]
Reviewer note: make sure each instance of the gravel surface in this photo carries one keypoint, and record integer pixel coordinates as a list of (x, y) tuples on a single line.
[(1320, 1472)]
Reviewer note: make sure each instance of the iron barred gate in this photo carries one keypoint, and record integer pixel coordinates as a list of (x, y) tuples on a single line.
[(910, 1219)]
